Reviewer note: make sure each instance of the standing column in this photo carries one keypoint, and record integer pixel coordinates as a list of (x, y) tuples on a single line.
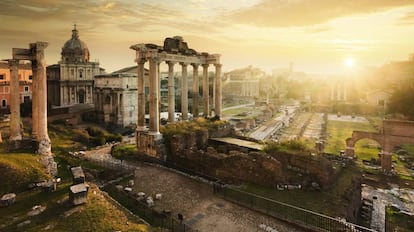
[(345, 91), (35, 102), (195, 90), (206, 91), (332, 92), (61, 93), (141, 96), (338, 92), (15, 129), (217, 103), (184, 92), (154, 89), (43, 137), (171, 92)]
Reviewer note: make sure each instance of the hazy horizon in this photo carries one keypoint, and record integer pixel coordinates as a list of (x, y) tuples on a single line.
[(319, 36)]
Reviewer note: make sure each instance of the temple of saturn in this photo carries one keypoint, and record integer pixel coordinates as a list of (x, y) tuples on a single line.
[(174, 51), (35, 54)]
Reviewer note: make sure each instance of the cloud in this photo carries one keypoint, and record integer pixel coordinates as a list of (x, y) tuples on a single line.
[(288, 13), (407, 19)]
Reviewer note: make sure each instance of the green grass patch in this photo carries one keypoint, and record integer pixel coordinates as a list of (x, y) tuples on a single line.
[(124, 151), (18, 170)]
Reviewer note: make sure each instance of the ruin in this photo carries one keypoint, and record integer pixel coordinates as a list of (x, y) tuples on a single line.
[(174, 51), (35, 54), (393, 133)]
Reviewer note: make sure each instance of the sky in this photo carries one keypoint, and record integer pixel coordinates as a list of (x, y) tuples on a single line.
[(317, 36)]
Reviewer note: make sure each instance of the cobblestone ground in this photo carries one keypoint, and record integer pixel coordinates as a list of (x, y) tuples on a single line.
[(197, 203)]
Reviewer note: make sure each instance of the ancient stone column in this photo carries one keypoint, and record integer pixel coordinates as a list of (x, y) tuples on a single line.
[(217, 103), (206, 91), (154, 89), (35, 102), (195, 90), (15, 128), (171, 92), (184, 92), (345, 91), (40, 66), (141, 96)]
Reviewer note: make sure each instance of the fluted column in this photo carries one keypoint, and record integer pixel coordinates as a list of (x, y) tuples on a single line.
[(217, 103), (154, 89), (15, 128), (40, 65), (184, 92), (171, 92), (206, 91), (195, 90), (141, 96)]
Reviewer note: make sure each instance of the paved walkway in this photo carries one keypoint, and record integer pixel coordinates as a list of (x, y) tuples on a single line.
[(195, 200)]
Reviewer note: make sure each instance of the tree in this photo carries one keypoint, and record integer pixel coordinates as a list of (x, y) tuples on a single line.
[(401, 101)]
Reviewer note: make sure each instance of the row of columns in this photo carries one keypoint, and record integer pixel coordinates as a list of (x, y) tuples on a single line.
[(39, 96), (154, 92)]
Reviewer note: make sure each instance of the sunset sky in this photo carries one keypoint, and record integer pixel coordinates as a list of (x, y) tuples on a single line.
[(319, 36)]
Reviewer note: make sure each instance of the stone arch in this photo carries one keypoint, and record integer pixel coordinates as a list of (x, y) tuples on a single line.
[(358, 135)]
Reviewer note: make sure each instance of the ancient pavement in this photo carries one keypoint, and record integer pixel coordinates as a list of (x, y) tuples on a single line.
[(196, 201)]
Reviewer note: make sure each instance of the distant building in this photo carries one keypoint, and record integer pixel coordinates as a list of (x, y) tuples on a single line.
[(25, 83), (397, 73), (378, 97), (71, 81), (115, 97), (244, 83)]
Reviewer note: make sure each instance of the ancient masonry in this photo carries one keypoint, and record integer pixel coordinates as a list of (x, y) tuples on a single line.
[(175, 50), (35, 54), (393, 133)]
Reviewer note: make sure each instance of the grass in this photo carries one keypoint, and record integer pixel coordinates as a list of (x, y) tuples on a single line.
[(18, 170), (326, 202), (397, 221)]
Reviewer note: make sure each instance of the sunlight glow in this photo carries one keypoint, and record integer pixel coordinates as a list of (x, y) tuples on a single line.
[(349, 62)]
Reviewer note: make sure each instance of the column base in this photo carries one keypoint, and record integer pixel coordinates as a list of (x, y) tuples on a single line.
[(44, 146), (151, 144), (49, 163)]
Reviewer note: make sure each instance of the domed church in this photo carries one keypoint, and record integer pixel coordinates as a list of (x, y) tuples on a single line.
[(70, 82)]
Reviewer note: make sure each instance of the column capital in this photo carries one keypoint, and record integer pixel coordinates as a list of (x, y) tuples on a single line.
[(170, 62), (218, 65), (13, 62), (194, 65), (183, 64), (140, 60), (205, 65), (155, 59)]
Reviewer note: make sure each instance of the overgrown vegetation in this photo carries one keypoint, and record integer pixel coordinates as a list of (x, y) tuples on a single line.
[(196, 125), (17, 170), (290, 146), (124, 152)]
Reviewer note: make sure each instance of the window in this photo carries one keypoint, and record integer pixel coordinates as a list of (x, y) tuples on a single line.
[(3, 103), (26, 88), (1, 76), (80, 73), (31, 77), (72, 72), (26, 99), (6, 89)]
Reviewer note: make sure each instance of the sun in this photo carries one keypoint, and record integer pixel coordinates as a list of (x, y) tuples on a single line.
[(349, 62)]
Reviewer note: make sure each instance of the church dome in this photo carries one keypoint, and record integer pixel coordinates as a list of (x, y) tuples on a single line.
[(75, 50)]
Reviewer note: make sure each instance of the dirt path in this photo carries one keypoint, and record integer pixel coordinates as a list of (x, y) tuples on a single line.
[(195, 200)]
